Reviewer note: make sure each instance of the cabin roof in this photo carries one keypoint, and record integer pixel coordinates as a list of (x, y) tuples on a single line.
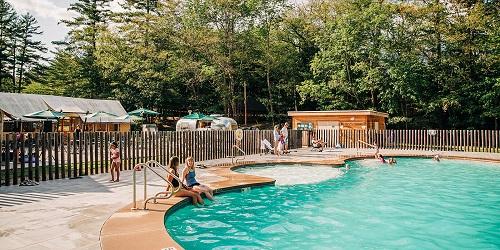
[(338, 113), (15, 105)]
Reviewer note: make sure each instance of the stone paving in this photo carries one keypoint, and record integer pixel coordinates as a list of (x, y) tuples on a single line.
[(69, 214)]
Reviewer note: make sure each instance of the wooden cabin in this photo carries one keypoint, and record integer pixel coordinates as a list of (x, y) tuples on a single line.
[(338, 119), (14, 106)]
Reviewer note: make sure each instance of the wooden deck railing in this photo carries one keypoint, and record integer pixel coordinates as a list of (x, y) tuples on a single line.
[(443, 140), (48, 156)]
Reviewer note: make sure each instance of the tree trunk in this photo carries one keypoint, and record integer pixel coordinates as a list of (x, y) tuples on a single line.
[(267, 72), (21, 66), (14, 67)]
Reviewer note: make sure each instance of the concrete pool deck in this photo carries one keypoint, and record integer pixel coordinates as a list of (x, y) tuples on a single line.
[(69, 214)]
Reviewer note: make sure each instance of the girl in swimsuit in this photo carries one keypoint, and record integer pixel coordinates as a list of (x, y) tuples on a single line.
[(189, 178), (115, 162), (184, 191)]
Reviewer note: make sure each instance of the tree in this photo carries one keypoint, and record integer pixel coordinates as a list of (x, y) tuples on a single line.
[(85, 29), (63, 76), (8, 21), (29, 57)]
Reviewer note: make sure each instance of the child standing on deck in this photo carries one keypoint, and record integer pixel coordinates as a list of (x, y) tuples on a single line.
[(277, 136), (115, 162)]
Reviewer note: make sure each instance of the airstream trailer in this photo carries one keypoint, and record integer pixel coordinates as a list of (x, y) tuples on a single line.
[(192, 124), (223, 123), (216, 122)]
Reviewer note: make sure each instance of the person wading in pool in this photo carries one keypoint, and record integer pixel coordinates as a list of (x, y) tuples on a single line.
[(189, 178), (184, 191)]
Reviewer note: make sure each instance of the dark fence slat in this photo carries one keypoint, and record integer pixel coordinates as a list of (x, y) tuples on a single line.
[(101, 152), (22, 158), (77, 170), (68, 155), (15, 175), (29, 157), (8, 158), (105, 148), (37, 156), (86, 150), (56, 139)]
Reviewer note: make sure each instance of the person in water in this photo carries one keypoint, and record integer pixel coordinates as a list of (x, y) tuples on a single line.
[(392, 160), (381, 158), (189, 178), (436, 158), (184, 191)]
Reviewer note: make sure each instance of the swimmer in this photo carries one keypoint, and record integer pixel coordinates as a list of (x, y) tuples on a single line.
[(392, 160), (381, 158), (436, 158)]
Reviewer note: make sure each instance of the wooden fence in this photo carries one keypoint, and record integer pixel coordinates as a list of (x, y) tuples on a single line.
[(48, 156), (443, 140)]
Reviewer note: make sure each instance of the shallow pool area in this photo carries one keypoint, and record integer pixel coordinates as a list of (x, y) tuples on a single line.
[(292, 174), (415, 204)]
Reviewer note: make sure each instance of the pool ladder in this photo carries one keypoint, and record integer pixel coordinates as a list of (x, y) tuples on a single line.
[(151, 165), (232, 154)]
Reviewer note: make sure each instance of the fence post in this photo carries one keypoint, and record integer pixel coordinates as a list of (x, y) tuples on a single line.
[(68, 151), (53, 140), (7, 138), (37, 156)]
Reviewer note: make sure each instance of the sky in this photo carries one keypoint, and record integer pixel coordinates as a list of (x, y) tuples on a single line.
[(48, 13)]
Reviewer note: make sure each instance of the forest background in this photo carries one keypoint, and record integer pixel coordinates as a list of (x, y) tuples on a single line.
[(428, 63)]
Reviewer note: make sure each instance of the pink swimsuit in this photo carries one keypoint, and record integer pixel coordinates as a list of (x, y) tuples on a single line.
[(115, 155)]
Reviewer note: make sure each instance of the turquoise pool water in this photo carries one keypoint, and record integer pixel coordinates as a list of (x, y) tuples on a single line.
[(416, 204)]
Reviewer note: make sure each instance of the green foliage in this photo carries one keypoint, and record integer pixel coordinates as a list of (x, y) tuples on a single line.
[(29, 56), (20, 52), (8, 20), (425, 63)]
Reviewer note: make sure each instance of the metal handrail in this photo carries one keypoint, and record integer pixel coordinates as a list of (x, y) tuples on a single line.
[(363, 142), (232, 154), (150, 165), (366, 143)]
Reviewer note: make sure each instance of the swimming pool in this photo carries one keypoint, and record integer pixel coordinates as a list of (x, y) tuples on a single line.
[(416, 204)]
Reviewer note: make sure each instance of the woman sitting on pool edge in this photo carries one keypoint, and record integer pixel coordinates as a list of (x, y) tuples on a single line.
[(189, 178), (184, 191)]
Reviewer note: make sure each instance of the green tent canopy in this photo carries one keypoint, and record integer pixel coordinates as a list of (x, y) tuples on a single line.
[(131, 117), (100, 114), (142, 112), (199, 116), (45, 114)]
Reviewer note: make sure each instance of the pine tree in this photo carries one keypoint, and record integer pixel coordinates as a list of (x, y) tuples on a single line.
[(83, 36), (7, 43), (29, 50)]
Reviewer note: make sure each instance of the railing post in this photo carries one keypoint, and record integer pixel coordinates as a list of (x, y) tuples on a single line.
[(145, 183), (134, 189)]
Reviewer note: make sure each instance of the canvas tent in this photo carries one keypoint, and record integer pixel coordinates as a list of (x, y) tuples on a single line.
[(15, 106)]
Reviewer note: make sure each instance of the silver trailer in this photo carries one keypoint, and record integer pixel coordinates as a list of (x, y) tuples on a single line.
[(218, 123), (223, 123)]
